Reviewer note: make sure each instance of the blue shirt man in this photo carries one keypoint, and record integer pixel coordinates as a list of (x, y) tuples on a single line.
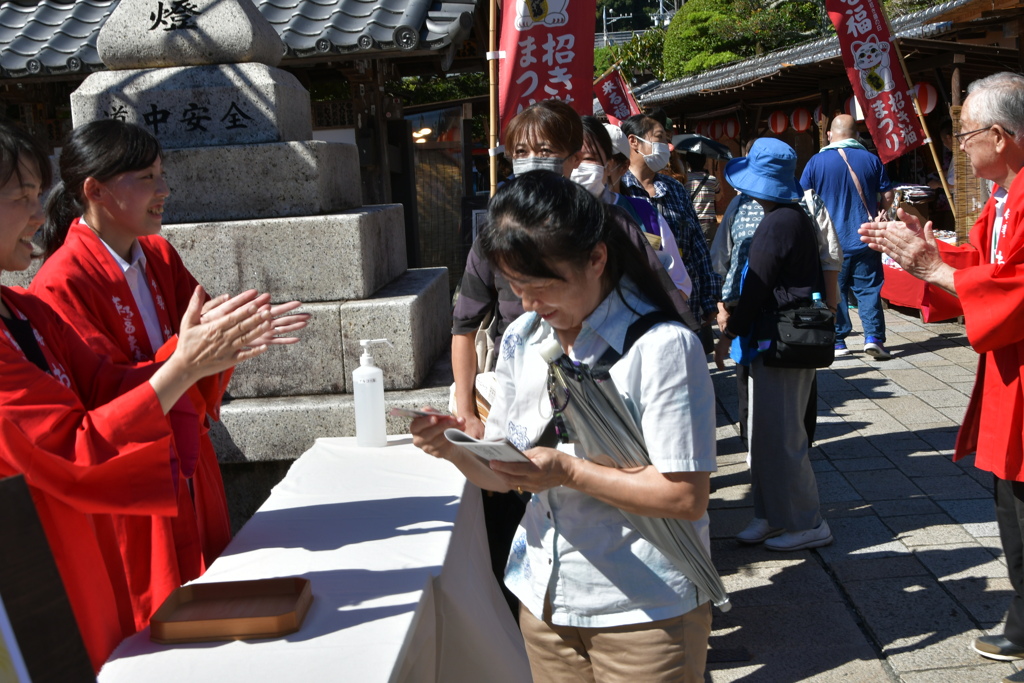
[(830, 173)]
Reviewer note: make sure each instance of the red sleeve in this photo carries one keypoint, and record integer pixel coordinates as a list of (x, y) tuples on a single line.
[(113, 458), (992, 294)]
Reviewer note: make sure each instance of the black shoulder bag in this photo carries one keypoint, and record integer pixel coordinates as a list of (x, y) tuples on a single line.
[(801, 337)]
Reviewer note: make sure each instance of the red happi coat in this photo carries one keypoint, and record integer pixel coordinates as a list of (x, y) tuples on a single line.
[(992, 295), (92, 440), (84, 283)]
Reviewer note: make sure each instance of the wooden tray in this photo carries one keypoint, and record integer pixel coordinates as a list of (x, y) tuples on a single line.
[(232, 610)]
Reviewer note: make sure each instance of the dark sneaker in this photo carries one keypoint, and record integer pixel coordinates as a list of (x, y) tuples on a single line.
[(841, 349), (997, 647), (874, 348)]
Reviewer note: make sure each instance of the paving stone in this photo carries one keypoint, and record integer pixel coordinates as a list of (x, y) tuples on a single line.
[(925, 463), (849, 447), (904, 506), (951, 372), (914, 621), (860, 536), (988, 672), (781, 585), (956, 414), (913, 380), (947, 487), (909, 410), (858, 464), (833, 487), (785, 644), (870, 568), (943, 398), (726, 522), (927, 530), (846, 508), (883, 485)]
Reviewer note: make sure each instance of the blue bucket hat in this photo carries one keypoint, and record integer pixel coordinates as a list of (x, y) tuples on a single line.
[(767, 172)]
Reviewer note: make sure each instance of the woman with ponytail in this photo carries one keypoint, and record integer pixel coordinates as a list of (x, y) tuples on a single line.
[(598, 602), (124, 289), (91, 437)]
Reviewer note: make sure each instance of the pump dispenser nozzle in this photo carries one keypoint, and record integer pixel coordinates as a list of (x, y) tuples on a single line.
[(367, 358)]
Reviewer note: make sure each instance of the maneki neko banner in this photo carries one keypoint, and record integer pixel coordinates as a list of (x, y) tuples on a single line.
[(873, 68), (546, 52)]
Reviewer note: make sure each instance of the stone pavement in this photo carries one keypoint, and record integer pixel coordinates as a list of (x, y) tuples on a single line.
[(916, 571)]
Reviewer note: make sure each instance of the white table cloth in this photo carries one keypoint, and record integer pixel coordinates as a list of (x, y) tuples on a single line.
[(394, 545)]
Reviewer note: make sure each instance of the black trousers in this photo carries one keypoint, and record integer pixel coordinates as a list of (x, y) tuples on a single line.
[(1009, 497)]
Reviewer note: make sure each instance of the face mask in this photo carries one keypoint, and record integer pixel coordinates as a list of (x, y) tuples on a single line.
[(553, 164), (658, 158), (590, 176)]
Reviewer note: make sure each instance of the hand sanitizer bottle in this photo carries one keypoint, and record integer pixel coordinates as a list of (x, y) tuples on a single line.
[(368, 396)]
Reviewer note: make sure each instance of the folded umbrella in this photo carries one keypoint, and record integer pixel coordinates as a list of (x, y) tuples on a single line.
[(699, 144), (590, 411)]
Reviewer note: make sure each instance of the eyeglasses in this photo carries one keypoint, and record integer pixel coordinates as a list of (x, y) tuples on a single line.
[(962, 138)]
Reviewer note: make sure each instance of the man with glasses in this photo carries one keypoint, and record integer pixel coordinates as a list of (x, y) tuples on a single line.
[(992, 295)]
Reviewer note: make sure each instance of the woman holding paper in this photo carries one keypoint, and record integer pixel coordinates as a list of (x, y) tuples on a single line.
[(598, 602)]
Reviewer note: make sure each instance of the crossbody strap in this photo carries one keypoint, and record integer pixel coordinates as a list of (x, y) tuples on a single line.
[(693, 194), (856, 183), (636, 330)]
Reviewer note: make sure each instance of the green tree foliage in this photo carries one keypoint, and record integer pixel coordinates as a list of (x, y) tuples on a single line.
[(641, 56), (429, 89), (705, 34)]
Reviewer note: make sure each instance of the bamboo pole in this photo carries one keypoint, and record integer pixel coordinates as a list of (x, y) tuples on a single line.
[(607, 71), (917, 110), (492, 75)]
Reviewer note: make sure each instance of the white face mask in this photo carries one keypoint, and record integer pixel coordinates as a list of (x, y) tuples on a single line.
[(525, 165), (658, 158), (590, 176)]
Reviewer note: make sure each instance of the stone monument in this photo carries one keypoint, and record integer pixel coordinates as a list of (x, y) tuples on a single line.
[(256, 203)]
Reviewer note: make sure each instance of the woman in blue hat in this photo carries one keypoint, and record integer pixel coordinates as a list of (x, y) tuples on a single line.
[(783, 271)]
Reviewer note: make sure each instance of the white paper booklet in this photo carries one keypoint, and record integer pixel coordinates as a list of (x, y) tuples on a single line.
[(488, 450)]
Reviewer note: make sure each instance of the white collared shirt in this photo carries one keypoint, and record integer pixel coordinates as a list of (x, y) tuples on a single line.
[(1000, 196), (593, 564), (135, 276)]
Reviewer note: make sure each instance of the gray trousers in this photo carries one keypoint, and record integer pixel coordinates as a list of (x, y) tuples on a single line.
[(783, 485)]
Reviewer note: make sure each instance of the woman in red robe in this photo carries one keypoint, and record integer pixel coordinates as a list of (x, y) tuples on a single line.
[(92, 438), (124, 289)]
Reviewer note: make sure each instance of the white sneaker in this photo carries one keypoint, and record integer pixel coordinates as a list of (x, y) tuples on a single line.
[(798, 540), (757, 531)]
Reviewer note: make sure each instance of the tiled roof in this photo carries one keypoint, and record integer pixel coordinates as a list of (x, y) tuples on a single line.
[(60, 37), (913, 25)]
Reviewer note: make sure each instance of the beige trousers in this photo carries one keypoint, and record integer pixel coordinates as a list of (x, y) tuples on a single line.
[(668, 651)]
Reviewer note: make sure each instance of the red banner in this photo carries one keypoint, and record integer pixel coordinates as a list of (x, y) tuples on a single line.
[(548, 48), (873, 68), (615, 97)]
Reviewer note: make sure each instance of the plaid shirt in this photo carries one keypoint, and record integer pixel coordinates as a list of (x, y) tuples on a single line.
[(673, 203)]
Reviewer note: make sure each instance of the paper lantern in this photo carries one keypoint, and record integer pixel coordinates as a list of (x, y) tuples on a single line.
[(816, 115), (777, 122), (716, 129), (927, 97), (800, 119), (853, 109), (731, 127)]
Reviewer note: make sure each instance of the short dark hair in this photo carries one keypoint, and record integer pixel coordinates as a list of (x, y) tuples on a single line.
[(638, 125), (598, 134)]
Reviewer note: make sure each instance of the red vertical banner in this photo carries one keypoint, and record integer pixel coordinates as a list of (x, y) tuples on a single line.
[(873, 68), (547, 52), (615, 97)]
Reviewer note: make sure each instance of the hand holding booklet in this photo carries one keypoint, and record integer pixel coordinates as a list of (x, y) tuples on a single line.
[(488, 450)]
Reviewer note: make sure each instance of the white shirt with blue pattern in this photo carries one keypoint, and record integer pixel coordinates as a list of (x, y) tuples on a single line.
[(596, 567)]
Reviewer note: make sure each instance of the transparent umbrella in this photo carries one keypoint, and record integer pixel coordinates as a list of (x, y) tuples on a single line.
[(592, 413)]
